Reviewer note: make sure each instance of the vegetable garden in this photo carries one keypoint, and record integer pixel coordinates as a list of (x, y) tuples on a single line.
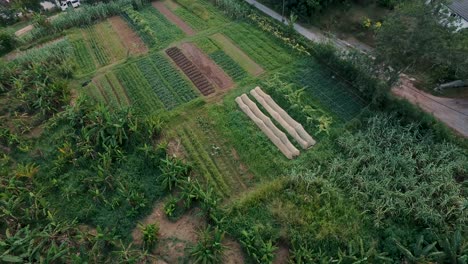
[(99, 143)]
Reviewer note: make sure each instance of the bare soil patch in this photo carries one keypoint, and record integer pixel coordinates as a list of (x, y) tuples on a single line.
[(191, 71), (452, 112), (130, 39), (207, 66), (173, 18), (233, 253), (174, 237), (175, 148), (238, 55), (282, 255)]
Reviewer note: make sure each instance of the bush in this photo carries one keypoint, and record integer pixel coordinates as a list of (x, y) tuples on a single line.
[(8, 41)]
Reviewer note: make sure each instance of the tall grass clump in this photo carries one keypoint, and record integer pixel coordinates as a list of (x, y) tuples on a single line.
[(56, 51)]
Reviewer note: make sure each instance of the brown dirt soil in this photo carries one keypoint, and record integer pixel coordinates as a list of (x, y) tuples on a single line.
[(173, 18), (233, 253), (452, 112), (175, 148), (207, 66), (129, 37), (174, 237), (282, 255)]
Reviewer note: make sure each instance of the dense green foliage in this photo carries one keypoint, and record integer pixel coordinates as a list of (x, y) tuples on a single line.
[(403, 41)]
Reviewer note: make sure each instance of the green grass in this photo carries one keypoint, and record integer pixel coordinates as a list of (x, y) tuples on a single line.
[(258, 46), (191, 19), (83, 57), (202, 161), (320, 84), (204, 11)]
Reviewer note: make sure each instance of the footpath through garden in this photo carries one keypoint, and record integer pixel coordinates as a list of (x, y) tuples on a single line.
[(452, 112)]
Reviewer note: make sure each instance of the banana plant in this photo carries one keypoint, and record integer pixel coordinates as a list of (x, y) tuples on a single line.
[(421, 252)]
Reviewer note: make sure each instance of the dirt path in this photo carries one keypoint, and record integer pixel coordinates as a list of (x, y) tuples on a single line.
[(207, 66), (173, 18), (238, 55), (130, 38), (452, 112), (233, 253)]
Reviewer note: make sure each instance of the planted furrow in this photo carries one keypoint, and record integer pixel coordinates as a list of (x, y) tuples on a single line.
[(191, 71)]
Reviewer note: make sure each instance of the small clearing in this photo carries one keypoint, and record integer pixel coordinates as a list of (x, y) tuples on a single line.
[(173, 18), (130, 38), (238, 55), (173, 237), (233, 253), (207, 66), (452, 112)]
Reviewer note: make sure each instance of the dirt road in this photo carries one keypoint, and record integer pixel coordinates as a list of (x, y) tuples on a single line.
[(452, 112)]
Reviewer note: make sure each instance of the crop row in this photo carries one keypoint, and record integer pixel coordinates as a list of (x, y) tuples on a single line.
[(229, 65), (153, 27), (111, 90), (259, 47), (174, 78), (202, 161), (191, 19), (110, 40), (139, 90), (163, 91), (100, 53), (82, 56), (140, 25), (204, 11)]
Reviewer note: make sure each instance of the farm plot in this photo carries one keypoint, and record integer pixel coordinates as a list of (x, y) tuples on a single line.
[(153, 27), (132, 42), (142, 96), (214, 73), (212, 158), (83, 57), (107, 89), (191, 71), (336, 96), (215, 53), (191, 19), (200, 10), (173, 18), (258, 46)]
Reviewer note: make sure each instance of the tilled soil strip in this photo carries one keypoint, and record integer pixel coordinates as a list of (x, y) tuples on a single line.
[(173, 18), (210, 69), (129, 37), (191, 71)]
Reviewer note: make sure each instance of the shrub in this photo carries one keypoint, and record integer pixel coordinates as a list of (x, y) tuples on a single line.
[(7, 41), (209, 248), (150, 234)]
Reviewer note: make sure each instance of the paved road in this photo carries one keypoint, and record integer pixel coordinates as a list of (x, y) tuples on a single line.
[(452, 112), (313, 34)]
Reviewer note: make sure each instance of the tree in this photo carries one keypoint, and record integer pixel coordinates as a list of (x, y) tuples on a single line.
[(420, 37)]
